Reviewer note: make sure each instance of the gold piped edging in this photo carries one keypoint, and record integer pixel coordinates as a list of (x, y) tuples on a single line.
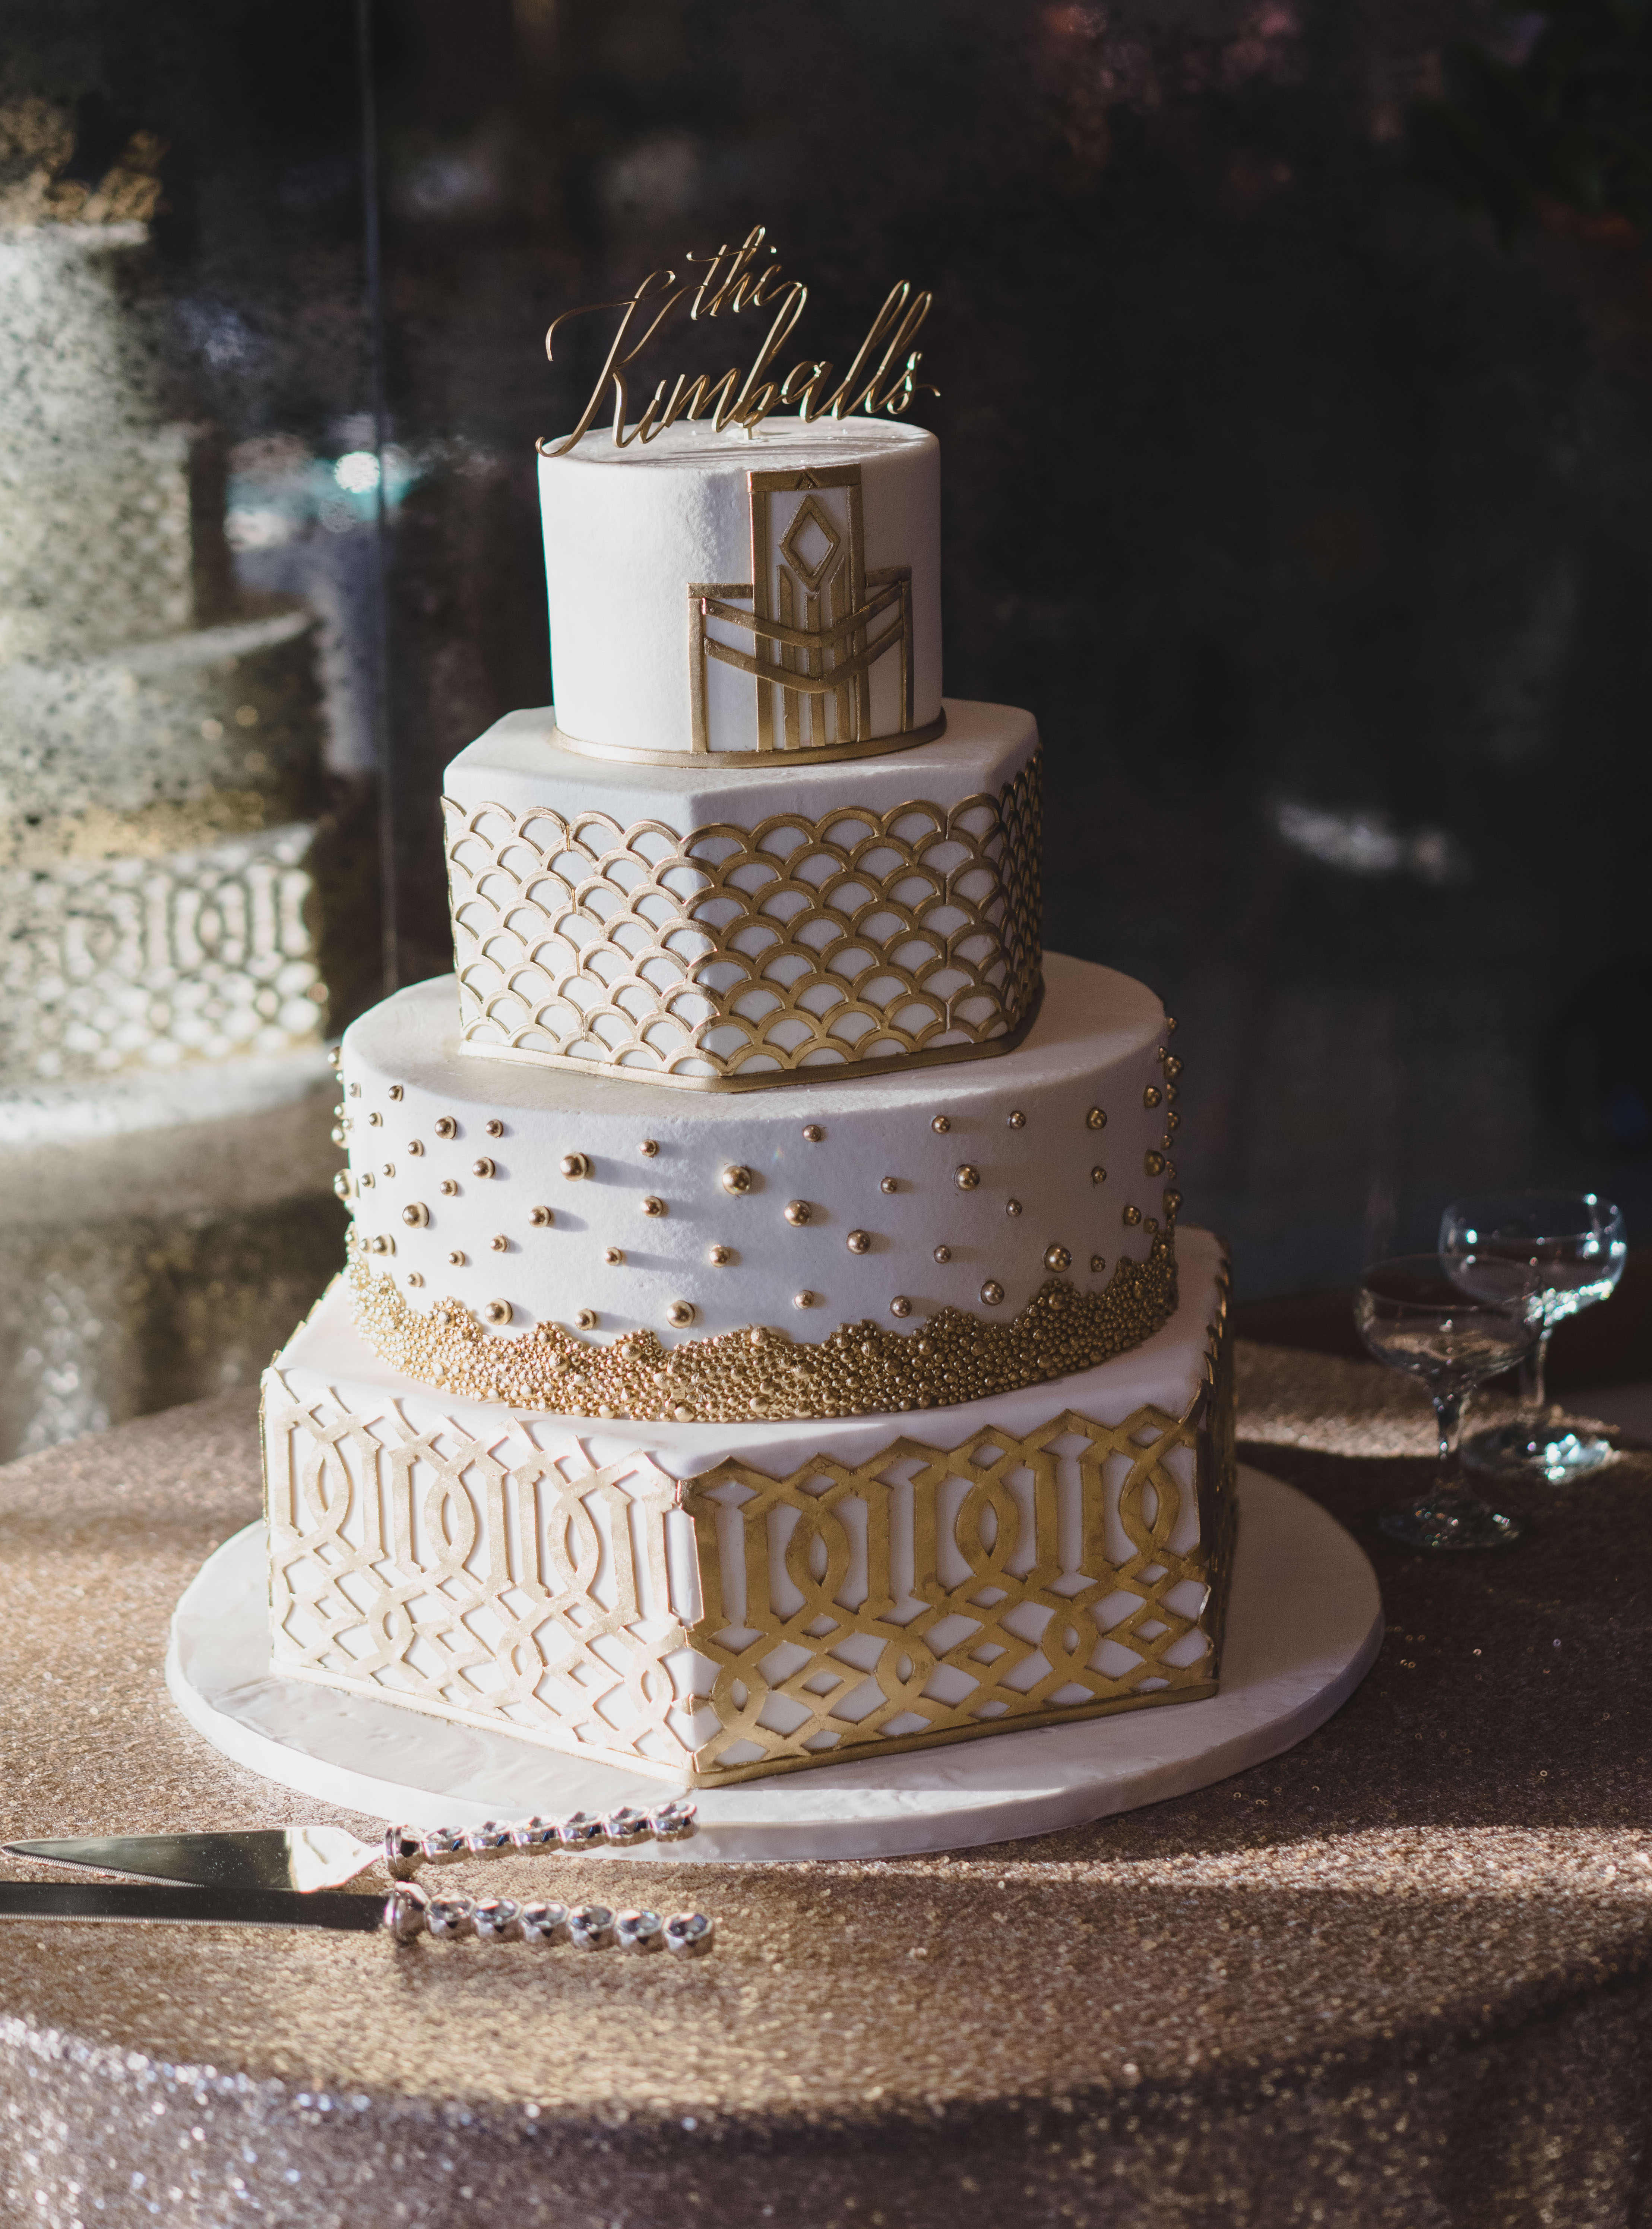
[(859, 1368), (872, 746), (736, 959), (420, 1563), (777, 1079)]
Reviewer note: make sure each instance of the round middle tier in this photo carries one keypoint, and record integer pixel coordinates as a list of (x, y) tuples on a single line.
[(487, 1195)]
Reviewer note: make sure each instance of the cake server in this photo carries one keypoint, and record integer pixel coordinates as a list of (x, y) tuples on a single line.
[(307, 1859), (406, 1913)]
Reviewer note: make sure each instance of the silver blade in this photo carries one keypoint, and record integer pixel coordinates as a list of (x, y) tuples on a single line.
[(243, 1907), (299, 1858)]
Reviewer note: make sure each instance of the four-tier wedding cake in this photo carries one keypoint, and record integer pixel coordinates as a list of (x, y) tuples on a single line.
[(767, 1338)]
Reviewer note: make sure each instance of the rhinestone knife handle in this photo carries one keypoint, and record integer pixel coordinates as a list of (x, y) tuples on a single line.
[(411, 1911), (406, 1849)]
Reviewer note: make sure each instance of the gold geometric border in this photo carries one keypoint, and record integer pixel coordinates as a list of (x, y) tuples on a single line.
[(569, 1672), (872, 746), (737, 958), (769, 1080), (761, 1372)]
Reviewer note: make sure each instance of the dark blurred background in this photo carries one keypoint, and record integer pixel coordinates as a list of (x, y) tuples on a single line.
[(1295, 360)]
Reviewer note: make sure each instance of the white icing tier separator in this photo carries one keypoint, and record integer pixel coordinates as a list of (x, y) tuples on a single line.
[(1284, 1674)]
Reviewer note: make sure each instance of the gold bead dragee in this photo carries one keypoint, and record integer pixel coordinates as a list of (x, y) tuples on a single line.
[(858, 1369)]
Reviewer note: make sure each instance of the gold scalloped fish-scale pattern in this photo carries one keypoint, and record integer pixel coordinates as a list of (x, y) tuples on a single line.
[(736, 956), (859, 1368)]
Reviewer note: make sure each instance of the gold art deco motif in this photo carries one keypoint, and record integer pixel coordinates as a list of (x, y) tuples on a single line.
[(846, 1609), (734, 958), (811, 621), (859, 1368)]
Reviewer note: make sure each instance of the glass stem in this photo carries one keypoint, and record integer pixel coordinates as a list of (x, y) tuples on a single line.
[(1447, 1420), (1534, 1397)]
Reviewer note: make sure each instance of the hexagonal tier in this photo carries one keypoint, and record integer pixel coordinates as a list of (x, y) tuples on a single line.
[(717, 1602)]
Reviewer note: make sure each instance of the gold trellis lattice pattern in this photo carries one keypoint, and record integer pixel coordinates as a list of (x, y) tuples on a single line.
[(150, 962), (745, 1624), (733, 957)]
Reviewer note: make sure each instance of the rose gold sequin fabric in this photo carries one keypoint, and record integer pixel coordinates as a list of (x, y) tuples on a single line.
[(1398, 1977)]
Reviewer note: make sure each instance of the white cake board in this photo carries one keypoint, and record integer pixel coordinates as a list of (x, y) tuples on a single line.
[(1304, 1624)]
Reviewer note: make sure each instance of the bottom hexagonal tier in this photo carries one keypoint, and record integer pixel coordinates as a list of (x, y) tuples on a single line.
[(715, 1602)]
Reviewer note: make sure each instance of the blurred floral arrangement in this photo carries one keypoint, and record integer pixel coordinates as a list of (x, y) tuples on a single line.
[(1562, 116)]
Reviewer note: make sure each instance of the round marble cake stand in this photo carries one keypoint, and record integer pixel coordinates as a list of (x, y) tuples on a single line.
[(1304, 1624)]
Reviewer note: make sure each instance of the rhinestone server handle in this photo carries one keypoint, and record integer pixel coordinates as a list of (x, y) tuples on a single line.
[(405, 1849), (411, 1911)]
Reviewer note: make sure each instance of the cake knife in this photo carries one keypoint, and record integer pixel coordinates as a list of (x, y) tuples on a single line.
[(406, 1913), (307, 1859)]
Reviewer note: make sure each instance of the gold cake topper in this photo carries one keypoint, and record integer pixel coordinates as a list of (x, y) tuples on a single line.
[(883, 376), (38, 143)]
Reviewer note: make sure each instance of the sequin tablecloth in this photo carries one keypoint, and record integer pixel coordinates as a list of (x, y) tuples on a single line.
[(1399, 1976)]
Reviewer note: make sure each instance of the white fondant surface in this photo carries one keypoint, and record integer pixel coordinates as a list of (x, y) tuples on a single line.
[(1304, 1624), (516, 764), (1096, 1043), (627, 531)]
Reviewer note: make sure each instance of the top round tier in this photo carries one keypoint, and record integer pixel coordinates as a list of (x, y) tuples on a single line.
[(683, 572)]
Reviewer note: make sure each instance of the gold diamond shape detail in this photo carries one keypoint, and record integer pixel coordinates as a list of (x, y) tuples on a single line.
[(811, 511)]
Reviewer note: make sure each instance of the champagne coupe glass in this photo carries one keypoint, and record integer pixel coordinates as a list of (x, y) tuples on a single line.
[(1573, 1243), (1452, 1323)]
